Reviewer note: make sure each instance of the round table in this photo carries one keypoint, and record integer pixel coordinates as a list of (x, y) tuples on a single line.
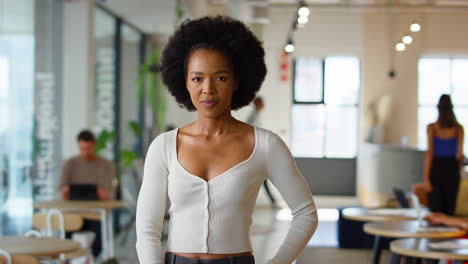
[(407, 229), (420, 248), (402, 229), (378, 214), (104, 208), (37, 246), (66, 204)]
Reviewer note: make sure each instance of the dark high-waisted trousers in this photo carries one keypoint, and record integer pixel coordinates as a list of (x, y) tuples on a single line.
[(174, 259), (445, 180)]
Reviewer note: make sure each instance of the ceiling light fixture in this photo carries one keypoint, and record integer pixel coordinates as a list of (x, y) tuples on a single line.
[(289, 46), (303, 11), (415, 27), (400, 46), (302, 20), (407, 39)]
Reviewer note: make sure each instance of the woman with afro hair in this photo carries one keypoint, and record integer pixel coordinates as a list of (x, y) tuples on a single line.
[(212, 169)]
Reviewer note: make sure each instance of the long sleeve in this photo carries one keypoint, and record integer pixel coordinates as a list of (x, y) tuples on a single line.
[(65, 176), (151, 204), (283, 173), (105, 182)]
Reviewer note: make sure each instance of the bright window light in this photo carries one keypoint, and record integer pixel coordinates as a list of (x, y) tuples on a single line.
[(324, 107), (328, 214)]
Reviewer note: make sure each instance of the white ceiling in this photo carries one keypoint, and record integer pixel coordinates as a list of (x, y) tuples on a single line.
[(152, 16), (376, 2), (158, 16)]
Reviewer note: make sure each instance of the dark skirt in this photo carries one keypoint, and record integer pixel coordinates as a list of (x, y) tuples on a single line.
[(175, 259), (445, 180)]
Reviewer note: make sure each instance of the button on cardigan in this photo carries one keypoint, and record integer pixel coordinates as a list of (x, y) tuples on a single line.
[(215, 216)]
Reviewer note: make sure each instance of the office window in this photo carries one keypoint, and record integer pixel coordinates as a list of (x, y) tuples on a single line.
[(308, 79), (4, 84), (436, 77), (325, 107)]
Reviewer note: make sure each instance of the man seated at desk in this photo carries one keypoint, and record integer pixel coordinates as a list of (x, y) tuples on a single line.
[(88, 168)]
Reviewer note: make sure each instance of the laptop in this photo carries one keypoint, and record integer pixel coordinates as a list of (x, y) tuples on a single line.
[(401, 198), (83, 192)]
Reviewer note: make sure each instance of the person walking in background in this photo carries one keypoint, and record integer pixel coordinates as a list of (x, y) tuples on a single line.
[(444, 159), (254, 120), (213, 168)]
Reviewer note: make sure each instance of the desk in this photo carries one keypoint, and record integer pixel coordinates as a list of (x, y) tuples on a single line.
[(378, 215), (403, 229), (104, 208), (420, 248), (38, 246)]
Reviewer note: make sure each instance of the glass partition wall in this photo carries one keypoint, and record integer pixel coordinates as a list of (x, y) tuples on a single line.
[(16, 113), (120, 88), (30, 108), (31, 103)]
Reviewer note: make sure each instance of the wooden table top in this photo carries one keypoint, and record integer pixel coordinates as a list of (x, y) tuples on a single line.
[(420, 248), (408, 229), (37, 246), (67, 204), (378, 214)]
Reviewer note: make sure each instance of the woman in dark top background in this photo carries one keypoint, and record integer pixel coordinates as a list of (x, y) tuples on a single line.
[(444, 158)]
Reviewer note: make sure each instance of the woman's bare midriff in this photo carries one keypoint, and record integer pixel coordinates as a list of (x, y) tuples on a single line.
[(210, 256)]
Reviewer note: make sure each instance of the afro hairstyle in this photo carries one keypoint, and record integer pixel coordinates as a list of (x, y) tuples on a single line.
[(223, 34)]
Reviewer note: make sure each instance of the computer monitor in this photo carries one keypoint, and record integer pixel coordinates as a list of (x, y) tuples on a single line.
[(83, 192)]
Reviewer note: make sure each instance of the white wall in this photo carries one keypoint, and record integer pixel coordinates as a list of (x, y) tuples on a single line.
[(443, 33), (371, 35)]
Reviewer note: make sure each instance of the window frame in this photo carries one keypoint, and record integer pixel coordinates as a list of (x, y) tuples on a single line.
[(451, 58), (325, 105), (322, 60)]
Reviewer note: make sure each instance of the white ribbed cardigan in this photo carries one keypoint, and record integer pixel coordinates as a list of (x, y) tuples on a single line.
[(215, 216)]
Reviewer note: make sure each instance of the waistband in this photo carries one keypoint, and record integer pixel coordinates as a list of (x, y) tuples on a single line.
[(442, 158), (175, 259)]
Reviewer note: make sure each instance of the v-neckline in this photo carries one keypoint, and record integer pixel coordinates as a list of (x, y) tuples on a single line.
[(219, 175)]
